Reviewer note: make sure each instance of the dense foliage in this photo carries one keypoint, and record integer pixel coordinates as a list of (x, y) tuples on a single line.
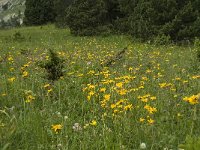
[(154, 19), (60, 7), (39, 12), (86, 17)]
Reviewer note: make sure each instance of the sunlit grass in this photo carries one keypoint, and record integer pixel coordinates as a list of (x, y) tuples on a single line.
[(148, 97)]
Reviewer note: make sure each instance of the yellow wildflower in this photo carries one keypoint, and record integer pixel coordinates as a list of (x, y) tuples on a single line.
[(102, 89), (153, 98), (50, 90), (150, 121), (122, 92), (107, 97), (56, 128), (11, 79), (29, 98), (128, 107), (93, 123), (119, 85), (142, 119), (194, 99), (112, 106), (46, 85), (12, 69), (24, 74)]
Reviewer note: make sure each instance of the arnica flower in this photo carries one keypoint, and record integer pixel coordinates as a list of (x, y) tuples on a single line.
[(12, 69), (119, 85), (128, 107), (122, 92), (11, 79), (107, 97), (194, 99), (150, 109), (102, 90), (30, 98), (93, 123), (150, 121), (142, 119), (25, 74), (56, 128), (112, 106), (50, 90)]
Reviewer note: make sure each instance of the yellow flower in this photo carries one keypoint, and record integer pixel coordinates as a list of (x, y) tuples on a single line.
[(46, 85), (29, 98), (144, 78), (107, 97), (122, 92), (128, 107), (153, 98), (196, 77), (90, 86), (194, 99), (150, 109), (50, 90), (12, 69), (112, 106), (130, 69), (102, 89), (10, 58), (85, 126), (80, 75), (150, 121), (25, 74), (142, 119), (11, 79), (119, 85), (56, 128), (93, 123)]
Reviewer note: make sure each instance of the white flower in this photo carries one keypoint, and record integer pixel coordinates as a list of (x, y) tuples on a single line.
[(89, 62), (65, 117), (143, 146), (76, 127)]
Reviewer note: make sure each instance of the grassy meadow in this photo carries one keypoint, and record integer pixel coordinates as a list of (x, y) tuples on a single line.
[(146, 98)]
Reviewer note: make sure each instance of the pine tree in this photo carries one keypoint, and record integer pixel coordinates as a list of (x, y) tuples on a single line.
[(39, 12), (178, 19), (60, 7), (86, 17)]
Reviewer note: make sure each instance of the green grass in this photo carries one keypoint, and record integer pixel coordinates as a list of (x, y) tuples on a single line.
[(142, 102)]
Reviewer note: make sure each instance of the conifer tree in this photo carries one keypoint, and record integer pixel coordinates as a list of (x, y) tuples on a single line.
[(86, 17), (39, 12), (60, 7)]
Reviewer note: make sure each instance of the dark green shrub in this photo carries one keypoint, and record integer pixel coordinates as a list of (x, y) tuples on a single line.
[(162, 40), (54, 66)]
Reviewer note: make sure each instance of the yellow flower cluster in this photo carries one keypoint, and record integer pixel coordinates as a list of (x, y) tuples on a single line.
[(194, 99)]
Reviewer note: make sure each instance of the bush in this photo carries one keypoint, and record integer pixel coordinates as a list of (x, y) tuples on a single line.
[(162, 39), (54, 66)]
